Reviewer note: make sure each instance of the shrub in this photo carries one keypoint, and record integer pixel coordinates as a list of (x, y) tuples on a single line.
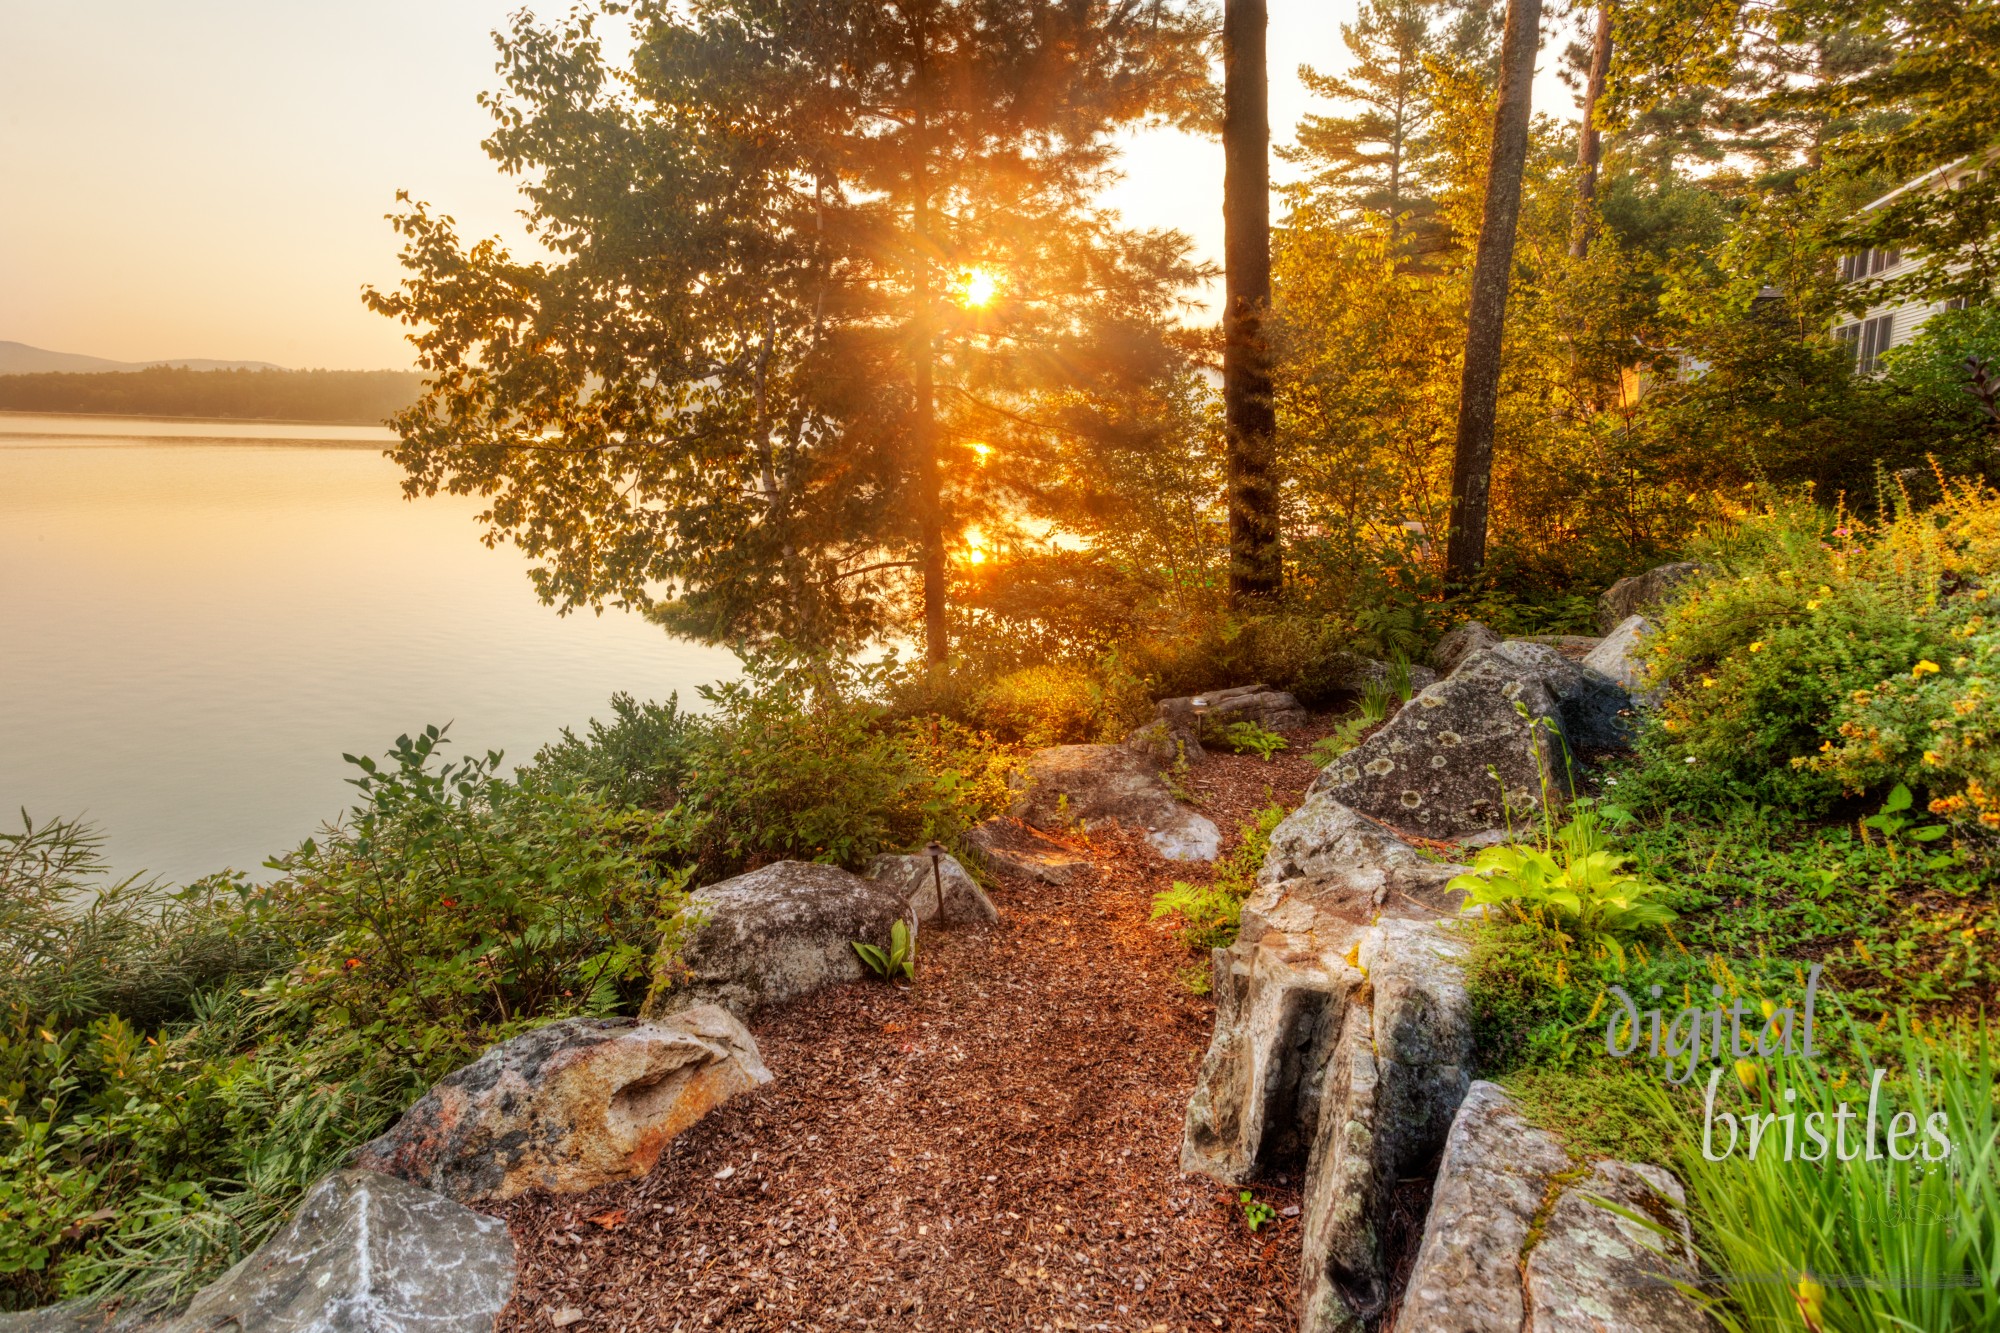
[(1053, 704), (455, 900), (800, 762), (1799, 611), (638, 758)]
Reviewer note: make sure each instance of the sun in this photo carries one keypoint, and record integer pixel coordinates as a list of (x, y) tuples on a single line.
[(977, 287)]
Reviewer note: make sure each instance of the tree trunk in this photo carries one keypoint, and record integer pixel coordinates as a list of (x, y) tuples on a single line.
[(930, 497), (1479, 389), (1256, 564), (923, 353), (1589, 144)]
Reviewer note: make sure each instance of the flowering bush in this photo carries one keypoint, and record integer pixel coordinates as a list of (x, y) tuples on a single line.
[(1799, 613), (1934, 727)]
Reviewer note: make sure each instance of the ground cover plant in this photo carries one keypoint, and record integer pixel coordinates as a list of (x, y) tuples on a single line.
[(178, 1066), (1809, 800)]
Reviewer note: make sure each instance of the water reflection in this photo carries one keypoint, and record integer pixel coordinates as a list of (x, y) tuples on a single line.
[(202, 616)]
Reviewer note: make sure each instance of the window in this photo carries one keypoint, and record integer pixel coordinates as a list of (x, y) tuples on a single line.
[(1867, 341), (1853, 268)]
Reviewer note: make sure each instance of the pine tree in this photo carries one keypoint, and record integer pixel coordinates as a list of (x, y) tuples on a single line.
[(810, 258), (1256, 563), (1492, 274), (1361, 164)]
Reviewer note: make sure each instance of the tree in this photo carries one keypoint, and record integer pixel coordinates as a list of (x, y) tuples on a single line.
[(1830, 92), (1472, 458), (1589, 141), (1256, 568), (1361, 164), (811, 263)]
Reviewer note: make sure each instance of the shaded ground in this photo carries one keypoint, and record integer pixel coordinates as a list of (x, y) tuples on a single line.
[(996, 1148)]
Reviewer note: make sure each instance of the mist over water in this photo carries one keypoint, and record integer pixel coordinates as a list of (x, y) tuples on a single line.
[(200, 617)]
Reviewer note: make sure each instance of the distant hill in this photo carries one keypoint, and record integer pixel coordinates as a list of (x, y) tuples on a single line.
[(249, 395), (21, 359)]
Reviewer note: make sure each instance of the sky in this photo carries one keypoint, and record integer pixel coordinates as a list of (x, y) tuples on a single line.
[(208, 178)]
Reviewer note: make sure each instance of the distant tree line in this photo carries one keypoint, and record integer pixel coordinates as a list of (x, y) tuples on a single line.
[(167, 391)]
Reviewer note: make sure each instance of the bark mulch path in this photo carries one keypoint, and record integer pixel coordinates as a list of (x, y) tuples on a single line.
[(996, 1148)]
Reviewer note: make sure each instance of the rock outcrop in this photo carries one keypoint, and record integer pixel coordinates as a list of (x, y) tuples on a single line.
[(1596, 1270), (1008, 844), (1479, 745), (568, 1107), (964, 901), (774, 934), (1595, 710), (1433, 767), (1269, 708), (1642, 593), (366, 1253), (1589, 1270), (1620, 657), (1401, 1068), (1458, 644), (1491, 1181), (1342, 1038), (1164, 743), (1086, 784)]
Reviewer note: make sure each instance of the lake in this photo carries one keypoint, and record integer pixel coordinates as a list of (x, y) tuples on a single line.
[(202, 616)]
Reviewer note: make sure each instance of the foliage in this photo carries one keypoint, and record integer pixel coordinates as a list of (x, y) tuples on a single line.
[(900, 956), (1867, 1243), (1256, 1212), (1931, 365), (1798, 612), (75, 943), (1254, 738), (640, 757), (240, 1040), (1209, 913), (1574, 881), (1346, 735), (783, 403), (1930, 720), (453, 902), (798, 761), (1039, 706)]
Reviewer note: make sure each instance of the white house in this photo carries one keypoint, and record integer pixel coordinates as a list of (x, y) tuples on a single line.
[(1893, 323)]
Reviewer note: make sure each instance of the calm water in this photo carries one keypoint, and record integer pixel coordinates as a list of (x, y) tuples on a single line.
[(198, 618)]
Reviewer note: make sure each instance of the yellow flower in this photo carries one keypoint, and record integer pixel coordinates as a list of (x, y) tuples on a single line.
[(1810, 1297), (1931, 757), (1708, 682), (1825, 747), (1813, 605), (1757, 647), (1924, 668), (1746, 1074)]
